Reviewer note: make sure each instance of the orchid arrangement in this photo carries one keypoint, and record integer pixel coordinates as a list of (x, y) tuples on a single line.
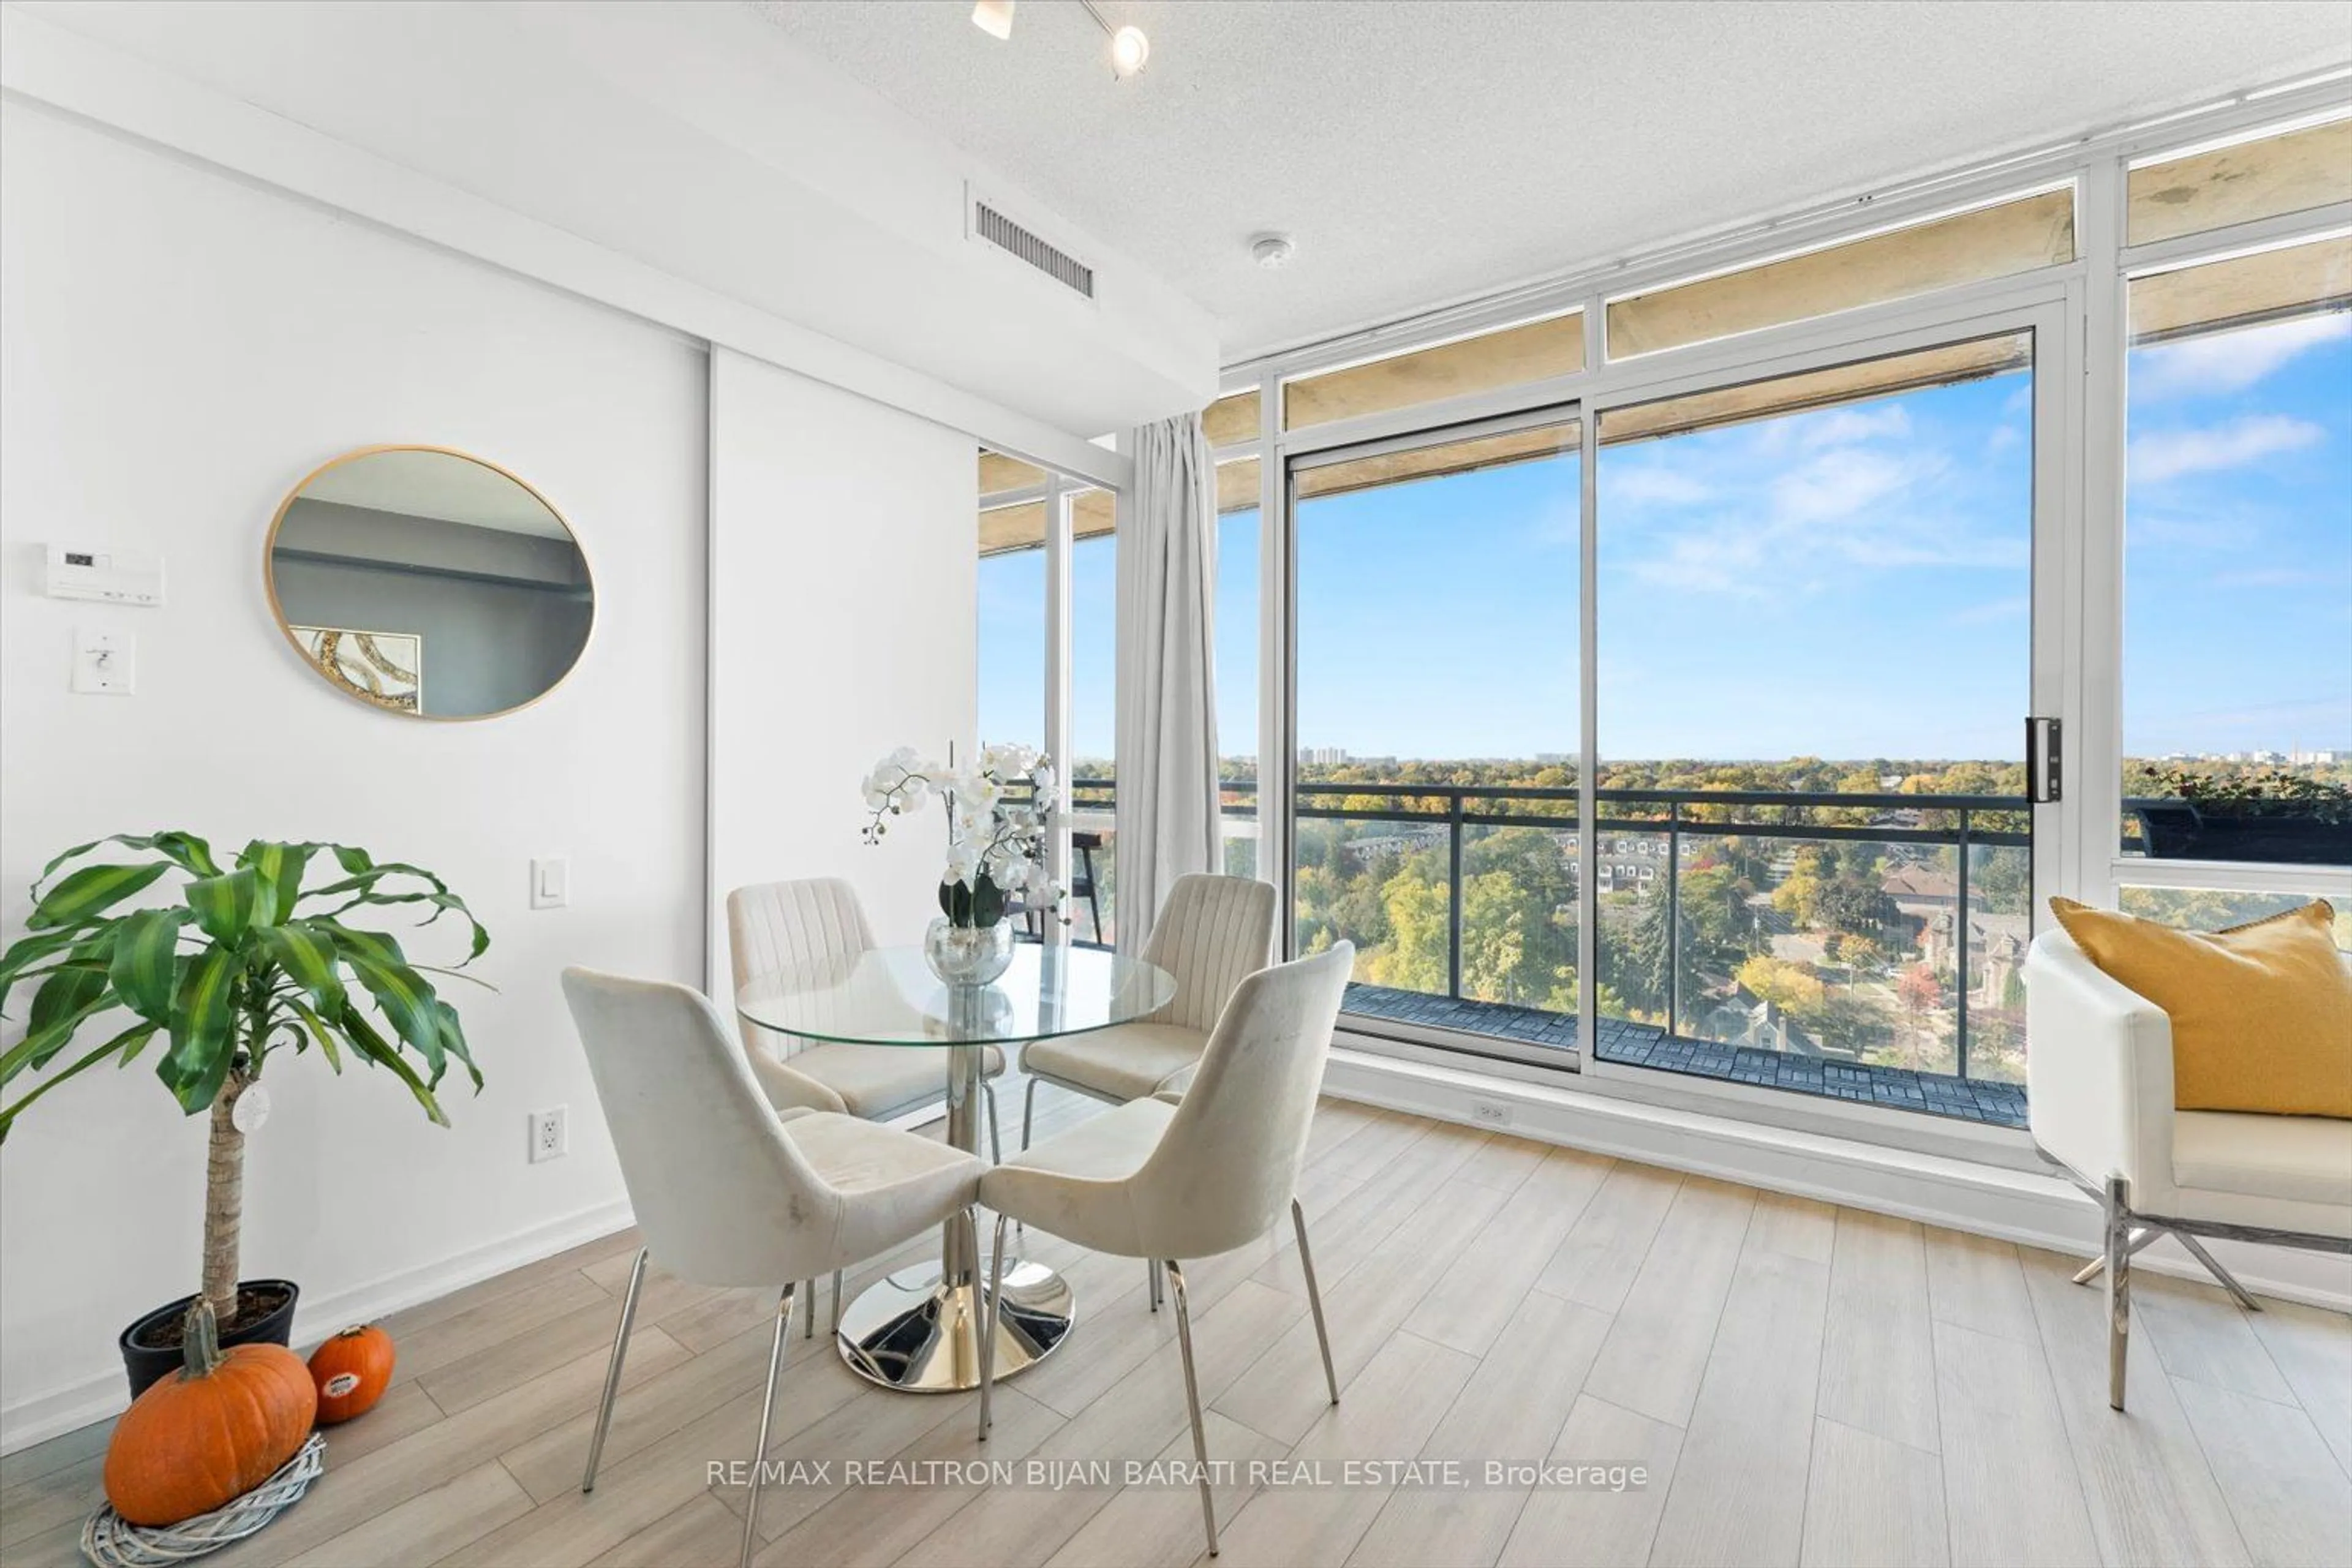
[(997, 809)]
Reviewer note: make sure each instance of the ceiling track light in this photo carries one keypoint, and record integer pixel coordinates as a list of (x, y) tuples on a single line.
[(993, 17), (1130, 49)]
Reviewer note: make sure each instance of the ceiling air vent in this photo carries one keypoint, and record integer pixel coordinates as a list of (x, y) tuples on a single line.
[(995, 229)]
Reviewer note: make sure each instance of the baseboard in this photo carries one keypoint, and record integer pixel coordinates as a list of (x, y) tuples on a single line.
[(2038, 1210), (41, 1417)]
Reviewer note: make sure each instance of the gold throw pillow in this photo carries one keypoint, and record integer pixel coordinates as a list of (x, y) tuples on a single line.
[(2261, 1013)]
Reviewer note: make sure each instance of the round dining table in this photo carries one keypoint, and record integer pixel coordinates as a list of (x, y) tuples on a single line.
[(919, 1330)]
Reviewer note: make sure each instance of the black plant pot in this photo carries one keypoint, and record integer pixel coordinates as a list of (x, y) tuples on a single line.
[(147, 1354)]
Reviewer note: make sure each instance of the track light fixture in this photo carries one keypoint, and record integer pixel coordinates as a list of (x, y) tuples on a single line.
[(993, 17), (1129, 47)]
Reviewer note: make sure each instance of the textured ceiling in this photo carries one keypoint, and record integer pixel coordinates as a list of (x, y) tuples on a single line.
[(1425, 149)]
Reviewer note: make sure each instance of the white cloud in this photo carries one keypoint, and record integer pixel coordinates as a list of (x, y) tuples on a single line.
[(1846, 427), (2230, 361), (1844, 481), (2163, 454)]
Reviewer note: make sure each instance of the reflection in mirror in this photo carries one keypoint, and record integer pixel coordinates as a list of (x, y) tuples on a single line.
[(426, 581)]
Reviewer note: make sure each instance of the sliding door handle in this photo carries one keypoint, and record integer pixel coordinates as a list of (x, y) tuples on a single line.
[(2044, 761)]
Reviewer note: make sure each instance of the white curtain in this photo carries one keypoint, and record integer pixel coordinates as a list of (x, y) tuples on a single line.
[(1167, 751)]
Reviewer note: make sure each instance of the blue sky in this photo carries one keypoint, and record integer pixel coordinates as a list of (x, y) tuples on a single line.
[(1846, 583), (2238, 530)]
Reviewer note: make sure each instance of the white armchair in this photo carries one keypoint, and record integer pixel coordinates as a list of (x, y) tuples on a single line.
[(2099, 1090)]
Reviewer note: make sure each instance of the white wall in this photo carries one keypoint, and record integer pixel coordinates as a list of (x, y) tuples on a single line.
[(844, 576), (176, 348), (694, 139)]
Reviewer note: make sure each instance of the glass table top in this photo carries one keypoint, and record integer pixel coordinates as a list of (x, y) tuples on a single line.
[(888, 997)]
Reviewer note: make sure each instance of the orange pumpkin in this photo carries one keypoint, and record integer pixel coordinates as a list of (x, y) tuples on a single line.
[(351, 1370), (216, 1430)]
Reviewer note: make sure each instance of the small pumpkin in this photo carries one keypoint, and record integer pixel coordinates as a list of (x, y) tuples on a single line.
[(351, 1370), (213, 1431)]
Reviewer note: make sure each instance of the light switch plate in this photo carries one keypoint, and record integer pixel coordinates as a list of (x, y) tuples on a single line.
[(105, 663), (551, 883)]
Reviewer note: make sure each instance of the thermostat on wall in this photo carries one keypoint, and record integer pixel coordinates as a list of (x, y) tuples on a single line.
[(110, 576)]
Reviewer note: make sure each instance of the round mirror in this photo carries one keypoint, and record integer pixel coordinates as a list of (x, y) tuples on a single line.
[(422, 581)]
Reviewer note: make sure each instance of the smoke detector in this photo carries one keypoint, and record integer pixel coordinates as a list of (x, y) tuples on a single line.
[(1273, 250)]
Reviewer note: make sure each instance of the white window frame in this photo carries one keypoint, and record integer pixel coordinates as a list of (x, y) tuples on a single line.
[(2076, 311)]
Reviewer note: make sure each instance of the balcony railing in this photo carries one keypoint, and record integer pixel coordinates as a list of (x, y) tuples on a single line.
[(1444, 817)]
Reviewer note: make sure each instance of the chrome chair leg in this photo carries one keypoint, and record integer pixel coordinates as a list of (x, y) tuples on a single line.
[(1314, 1298), (612, 1372), (836, 1303), (1028, 1112), (995, 1138), (1151, 1282), (810, 1331), (767, 1413), (1192, 1404), (2119, 1252), (993, 1316), (2141, 1239), (2213, 1266)]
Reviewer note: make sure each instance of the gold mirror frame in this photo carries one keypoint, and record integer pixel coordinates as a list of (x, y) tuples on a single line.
[(286, 625)]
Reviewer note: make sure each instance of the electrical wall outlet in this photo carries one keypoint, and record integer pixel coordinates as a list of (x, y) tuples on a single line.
[(1490, 1113), (549, 1140)]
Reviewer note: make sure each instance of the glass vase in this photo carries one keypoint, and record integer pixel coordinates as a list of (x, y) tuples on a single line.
[(968, 957)]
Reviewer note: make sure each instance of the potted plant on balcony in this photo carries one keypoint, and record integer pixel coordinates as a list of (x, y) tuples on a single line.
[(248, 961), (2272, 816)]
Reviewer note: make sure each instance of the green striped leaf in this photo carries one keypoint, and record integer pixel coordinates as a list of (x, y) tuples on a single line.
[(131, 1042), (85, 892), (442, 903), (281, 869), (406, 1001), (453, 1040), (371, 1046), (16, 965), (227, 906), (60, 1021), (186, 851), (319, 1032), (306, 955), (144, 973), (203, 1036)]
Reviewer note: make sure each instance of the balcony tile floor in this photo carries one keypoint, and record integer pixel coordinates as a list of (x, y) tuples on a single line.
[(1646, 1045)]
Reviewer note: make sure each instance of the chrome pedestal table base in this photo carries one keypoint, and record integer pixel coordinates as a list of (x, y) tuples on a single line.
[(919, 1330), (917, 1333)]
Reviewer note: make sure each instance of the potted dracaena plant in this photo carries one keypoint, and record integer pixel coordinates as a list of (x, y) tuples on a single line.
[(253, 959)]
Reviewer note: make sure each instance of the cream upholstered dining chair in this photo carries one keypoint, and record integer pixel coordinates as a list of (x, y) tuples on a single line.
[(1164, 1179), (731, 1192), (2099, 1096), (780, 925), (1212, 931)]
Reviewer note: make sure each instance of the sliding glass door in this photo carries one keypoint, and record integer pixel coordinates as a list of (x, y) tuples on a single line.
[(1436, 721), (1815, 597)]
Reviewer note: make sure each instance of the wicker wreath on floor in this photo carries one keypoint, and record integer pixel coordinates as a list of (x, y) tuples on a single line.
[(111, 1541)]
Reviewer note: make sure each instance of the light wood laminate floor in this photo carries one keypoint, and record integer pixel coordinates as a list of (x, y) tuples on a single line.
[(1801, 1384)]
